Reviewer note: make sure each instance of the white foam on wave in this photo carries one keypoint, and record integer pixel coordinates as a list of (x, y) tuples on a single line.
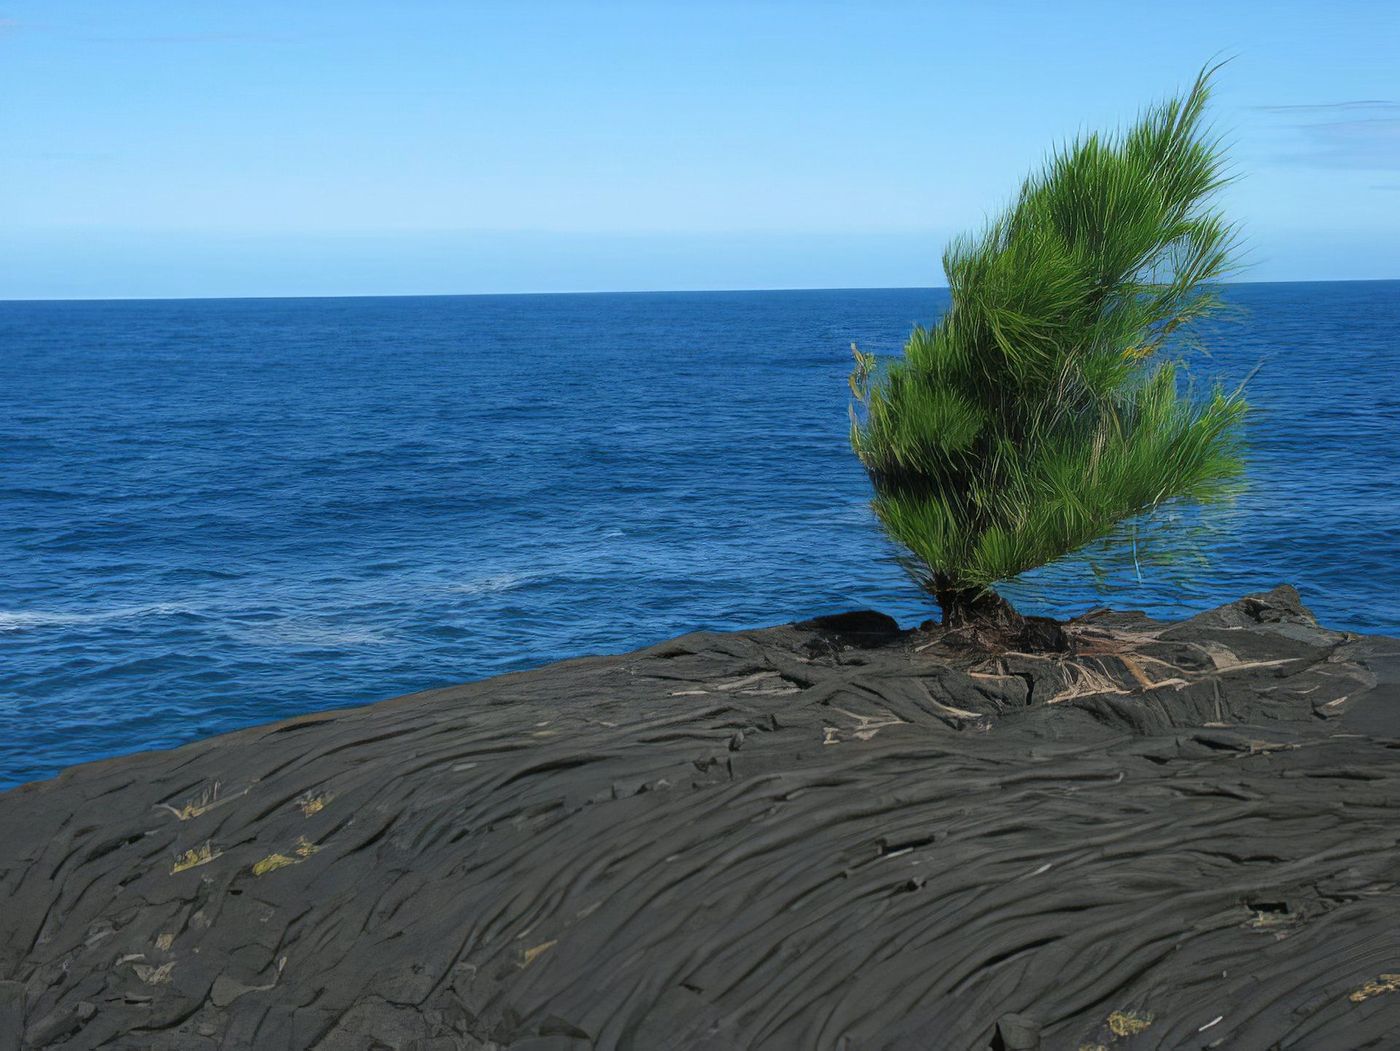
[(493, 583), (305, 633), (25, 620)]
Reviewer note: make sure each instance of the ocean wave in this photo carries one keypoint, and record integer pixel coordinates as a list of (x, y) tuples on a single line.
[(25, 620), (303, 634), (488, 585)]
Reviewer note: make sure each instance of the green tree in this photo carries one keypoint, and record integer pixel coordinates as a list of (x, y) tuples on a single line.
[(1041, 410)]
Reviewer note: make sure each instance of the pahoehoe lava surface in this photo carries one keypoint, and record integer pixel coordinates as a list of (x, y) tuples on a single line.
[(826, 835)]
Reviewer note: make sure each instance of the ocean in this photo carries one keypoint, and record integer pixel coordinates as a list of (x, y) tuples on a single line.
[(216, 513)]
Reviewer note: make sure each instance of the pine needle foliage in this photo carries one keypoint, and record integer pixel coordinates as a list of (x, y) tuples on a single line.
[(1041, 410)]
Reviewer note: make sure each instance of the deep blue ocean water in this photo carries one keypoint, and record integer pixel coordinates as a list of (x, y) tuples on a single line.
[(218, 513)]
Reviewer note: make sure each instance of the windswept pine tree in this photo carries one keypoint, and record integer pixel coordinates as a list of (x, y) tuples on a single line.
[(1041, 411)]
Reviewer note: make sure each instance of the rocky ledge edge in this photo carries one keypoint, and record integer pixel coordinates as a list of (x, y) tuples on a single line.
[(831, 834)]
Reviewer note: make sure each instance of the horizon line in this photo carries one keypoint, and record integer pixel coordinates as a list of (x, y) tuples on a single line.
[(597, 292)]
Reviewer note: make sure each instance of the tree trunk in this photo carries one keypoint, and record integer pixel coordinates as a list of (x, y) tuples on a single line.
[(972, 608), (993, 622)]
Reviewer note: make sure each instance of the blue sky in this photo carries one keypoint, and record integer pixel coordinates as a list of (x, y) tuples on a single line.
[(309, 148)]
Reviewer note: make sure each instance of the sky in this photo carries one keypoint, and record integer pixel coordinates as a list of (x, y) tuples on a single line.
[(159, 149)]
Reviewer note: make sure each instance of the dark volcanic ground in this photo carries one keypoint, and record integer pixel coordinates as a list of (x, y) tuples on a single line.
[(828, 835)]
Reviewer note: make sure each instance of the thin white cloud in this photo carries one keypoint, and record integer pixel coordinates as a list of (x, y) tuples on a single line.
[(1328, 107), (1355, 134)]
